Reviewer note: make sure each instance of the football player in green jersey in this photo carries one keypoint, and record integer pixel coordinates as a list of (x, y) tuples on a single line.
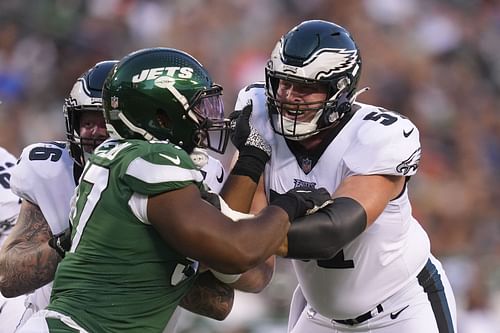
[(29, 259), (141, 229)]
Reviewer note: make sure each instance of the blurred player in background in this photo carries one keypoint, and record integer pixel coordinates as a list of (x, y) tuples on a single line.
[(11, 309), (46, 177), (364, 262)]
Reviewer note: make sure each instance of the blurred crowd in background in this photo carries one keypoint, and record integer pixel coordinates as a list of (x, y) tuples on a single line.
[(435, 61)]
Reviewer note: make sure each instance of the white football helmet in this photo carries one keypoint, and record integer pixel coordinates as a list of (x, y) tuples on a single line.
[(313, 52), (85, 95)]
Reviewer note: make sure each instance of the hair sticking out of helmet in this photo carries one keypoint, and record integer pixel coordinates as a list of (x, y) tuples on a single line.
[(84, 103), (165, 94), (316, 54)]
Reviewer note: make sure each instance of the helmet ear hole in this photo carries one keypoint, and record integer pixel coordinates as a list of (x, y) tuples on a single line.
[(343, 104), (343, 83)]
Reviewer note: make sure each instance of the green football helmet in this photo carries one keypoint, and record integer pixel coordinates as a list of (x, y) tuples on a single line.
[(165, 94)]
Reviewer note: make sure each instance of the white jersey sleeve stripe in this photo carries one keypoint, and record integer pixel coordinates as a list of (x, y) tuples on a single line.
[(156, 173), (138, 204)]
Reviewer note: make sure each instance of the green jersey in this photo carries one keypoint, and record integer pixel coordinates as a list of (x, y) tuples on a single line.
[(120, 276)]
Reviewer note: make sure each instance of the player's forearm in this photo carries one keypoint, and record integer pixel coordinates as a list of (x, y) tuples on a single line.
[(26, 260), (209, 297), (324, 233), (257, 278), (238, 192), (250, 243), (26, 269)]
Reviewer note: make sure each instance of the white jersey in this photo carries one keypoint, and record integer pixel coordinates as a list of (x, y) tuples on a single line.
[(391, 252), (9, 202), (11, 309), (45, 177), (214, 174)]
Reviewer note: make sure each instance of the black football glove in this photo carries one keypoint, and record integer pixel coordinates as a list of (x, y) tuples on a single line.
[(254, 151), (61, 242), (302, 201)]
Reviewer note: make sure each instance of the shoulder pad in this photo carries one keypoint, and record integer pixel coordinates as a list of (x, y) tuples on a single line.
[(40, 164), (44, 176), (214, 173), (385, 143), (156, 167)]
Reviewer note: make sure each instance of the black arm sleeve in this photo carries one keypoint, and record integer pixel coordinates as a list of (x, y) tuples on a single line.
[(324, 233)]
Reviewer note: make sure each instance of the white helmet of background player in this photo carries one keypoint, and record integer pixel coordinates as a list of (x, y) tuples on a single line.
[(313, 52), (86, 95)]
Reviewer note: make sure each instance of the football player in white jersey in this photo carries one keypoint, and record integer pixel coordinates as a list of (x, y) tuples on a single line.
[(10, 309), (363, 263), (45, 177)]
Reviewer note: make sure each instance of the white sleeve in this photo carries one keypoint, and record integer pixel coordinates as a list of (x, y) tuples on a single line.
[(138, 204), (385, 150), (9, 202), (214, 173), (46, 182)]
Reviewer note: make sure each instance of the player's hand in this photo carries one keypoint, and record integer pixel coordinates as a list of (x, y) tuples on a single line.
[(61, 242), (302, 201), (254, 151), (245, 137)]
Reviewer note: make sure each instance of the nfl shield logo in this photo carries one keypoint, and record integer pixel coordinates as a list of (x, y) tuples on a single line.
[(306, 165), (114, 102)]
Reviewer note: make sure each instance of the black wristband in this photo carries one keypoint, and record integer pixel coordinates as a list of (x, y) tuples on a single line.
[(61, 242), (251, 162), (55, 243)]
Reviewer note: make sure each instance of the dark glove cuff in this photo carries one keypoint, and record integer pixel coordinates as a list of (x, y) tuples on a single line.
[(55, 243), (289, 203), (251, 162), (61, 242)]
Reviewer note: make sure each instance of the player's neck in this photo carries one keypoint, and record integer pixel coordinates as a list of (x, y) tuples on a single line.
[(312, 142)]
